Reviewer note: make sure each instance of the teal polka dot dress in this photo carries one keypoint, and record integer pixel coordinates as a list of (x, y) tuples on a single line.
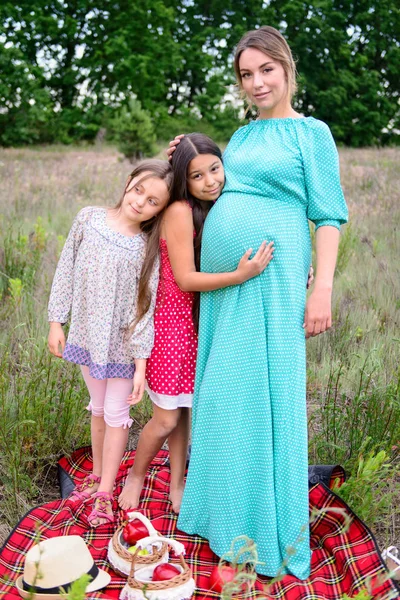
[(248, 469)]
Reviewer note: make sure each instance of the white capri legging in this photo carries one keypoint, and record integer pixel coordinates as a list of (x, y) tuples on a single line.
[(108, 399)]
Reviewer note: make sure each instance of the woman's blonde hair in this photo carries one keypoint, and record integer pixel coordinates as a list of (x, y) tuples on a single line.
[(271, 42)]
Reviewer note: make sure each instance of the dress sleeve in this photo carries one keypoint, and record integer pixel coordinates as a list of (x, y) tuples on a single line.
[(142, 339), (61, 294), (326, 203)]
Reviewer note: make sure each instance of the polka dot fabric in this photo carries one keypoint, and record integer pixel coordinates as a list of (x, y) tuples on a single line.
[(171, 367), (248, 468)]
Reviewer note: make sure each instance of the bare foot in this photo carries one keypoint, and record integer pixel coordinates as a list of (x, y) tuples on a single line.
[(175, 496), (130, 495)]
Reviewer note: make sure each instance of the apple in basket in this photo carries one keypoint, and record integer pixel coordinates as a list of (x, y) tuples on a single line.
[(165, 571), (142, 551), (220, 576), (134, 531)]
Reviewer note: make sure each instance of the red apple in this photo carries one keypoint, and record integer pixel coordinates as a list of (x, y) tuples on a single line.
[(165, 571), (220, 576), (134, 531)]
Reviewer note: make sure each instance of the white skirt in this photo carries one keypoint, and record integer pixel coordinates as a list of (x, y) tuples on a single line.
[(170, 402)]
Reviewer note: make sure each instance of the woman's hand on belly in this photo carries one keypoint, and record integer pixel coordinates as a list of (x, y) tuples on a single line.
[(318, 314)]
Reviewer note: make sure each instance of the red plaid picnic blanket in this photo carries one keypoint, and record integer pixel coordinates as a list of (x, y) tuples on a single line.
[(343, 562)]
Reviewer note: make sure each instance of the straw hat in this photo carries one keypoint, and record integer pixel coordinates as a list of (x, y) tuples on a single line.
[(56, 563)]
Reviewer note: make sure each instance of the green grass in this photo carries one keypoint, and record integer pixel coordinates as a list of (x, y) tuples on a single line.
[(353, 371)]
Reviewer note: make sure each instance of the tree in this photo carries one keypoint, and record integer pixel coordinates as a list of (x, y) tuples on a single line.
[(26, 105), (89, 58), (133, 131), (348, 54), (67, 64)]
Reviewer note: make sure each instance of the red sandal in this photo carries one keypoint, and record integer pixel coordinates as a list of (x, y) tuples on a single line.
[(82, 491), (102, 509)]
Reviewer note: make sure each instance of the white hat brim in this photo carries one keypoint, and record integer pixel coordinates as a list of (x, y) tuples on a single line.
[(24, 594), (102, 580)]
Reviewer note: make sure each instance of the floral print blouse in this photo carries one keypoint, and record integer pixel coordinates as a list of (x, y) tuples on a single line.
[(96, 281)]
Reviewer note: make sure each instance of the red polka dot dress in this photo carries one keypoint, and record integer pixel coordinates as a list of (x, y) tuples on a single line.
[(171, 367)]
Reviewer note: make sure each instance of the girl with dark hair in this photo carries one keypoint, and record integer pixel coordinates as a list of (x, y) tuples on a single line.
[(198, 182), (107, 278)]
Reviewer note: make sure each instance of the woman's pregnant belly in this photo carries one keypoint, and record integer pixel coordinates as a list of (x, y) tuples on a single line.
[(239, 222)]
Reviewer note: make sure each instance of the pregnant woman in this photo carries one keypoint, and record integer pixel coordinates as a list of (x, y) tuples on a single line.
[(248, 469)]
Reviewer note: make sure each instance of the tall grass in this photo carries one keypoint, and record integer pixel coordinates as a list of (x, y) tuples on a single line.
[(353, 371), (41, 416)]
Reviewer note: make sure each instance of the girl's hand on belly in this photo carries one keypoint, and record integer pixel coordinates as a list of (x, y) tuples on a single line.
[(318, 315), (250, 267)]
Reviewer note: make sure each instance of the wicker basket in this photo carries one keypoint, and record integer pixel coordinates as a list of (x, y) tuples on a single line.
[(121, 559), (140, 585)]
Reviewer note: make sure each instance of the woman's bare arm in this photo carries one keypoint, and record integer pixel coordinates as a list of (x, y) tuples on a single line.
[(318, 314)]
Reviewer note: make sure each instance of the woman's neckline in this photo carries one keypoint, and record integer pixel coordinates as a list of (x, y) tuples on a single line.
[(279, 119)]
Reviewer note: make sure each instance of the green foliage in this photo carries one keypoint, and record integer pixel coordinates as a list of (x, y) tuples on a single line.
[(37, 394), (368, 490), (362, 595), (15, 287), (347, 247), (22, 255), (133, 131), (225, 122), (345, 55), (67, 66), (220, 129), (77, 590), (60, 244), (346, 421)]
